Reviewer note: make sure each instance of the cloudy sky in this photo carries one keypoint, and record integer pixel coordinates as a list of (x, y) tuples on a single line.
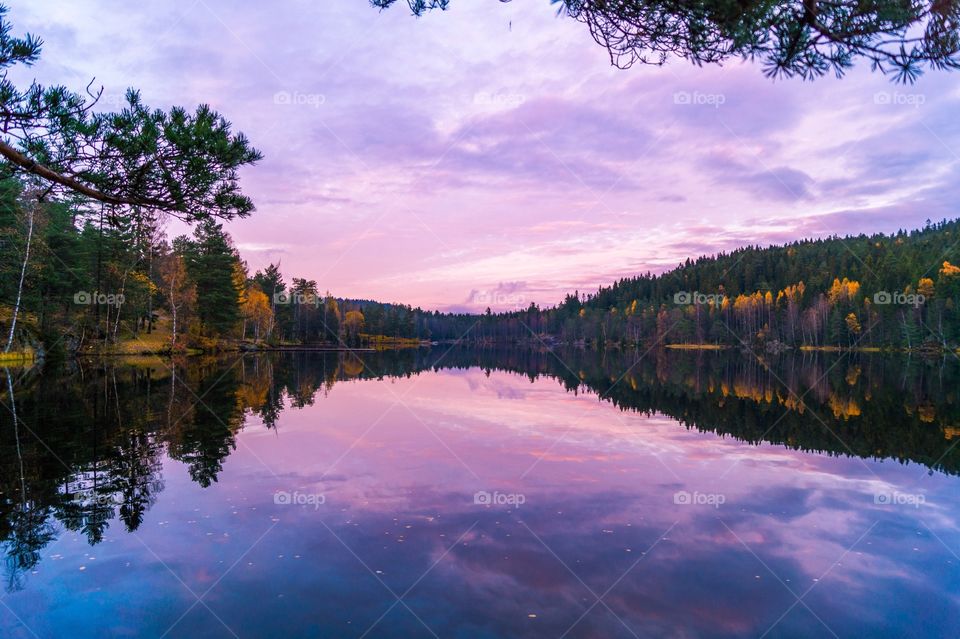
[(490, 155)]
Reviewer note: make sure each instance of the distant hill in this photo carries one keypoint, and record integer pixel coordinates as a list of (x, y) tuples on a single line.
[(879, 262), (868, 291)]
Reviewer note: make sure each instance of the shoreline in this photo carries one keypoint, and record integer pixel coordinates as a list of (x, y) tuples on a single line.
[(27, 358), (15, 358)]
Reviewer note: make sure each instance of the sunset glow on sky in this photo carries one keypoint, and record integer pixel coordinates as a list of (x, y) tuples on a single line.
[(491, 156)]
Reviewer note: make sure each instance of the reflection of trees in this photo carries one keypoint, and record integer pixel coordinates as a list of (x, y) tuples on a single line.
[(139, 478), (25, 529), (879, 406), (104, 432), (869, 406), (26, 532), (106, 428), (204, 441)]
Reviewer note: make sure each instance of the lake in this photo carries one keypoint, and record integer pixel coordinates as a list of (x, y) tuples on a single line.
[(482, 493)]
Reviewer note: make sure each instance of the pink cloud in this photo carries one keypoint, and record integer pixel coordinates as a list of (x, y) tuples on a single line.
[(419, 160)]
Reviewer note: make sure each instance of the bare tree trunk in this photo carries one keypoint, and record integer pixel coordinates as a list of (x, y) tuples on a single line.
[(943, 338), (16, 431), (173, 388), (23, 273), (149, 295), (173, 309), (96, 309), (106, 332), (120, 300)]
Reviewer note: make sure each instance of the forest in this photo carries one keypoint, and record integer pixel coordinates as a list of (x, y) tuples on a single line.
[(84, 280), (896, 291), (97, 281), (86, 266)]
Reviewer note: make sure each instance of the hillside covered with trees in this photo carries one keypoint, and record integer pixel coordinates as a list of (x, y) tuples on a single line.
[(878, 291), (86, 266), (93, 281)]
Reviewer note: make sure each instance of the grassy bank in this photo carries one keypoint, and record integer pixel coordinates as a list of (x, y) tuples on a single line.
[(15, 358), (697, 347), (382, 341), (853, 349), (158, 341), (131, 343)]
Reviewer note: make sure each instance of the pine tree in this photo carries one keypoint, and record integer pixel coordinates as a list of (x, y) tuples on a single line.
[(211, 262)]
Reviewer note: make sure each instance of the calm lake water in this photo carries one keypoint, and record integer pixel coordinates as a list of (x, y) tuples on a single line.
[(483, 494)]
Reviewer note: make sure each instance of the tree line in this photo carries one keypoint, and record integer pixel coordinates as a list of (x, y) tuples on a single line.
[(83, 277), (94, 280), (878, 291), (84, 194)]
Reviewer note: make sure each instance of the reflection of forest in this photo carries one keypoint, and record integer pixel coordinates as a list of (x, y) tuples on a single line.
[(89, 442)]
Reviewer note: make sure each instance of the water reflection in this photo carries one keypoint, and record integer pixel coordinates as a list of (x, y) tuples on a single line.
[(168, 478)]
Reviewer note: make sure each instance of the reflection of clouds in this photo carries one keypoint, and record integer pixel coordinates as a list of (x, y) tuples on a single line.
[(599, 496), (397, 500)]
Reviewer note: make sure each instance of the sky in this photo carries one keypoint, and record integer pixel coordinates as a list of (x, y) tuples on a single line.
[(490, 155)]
